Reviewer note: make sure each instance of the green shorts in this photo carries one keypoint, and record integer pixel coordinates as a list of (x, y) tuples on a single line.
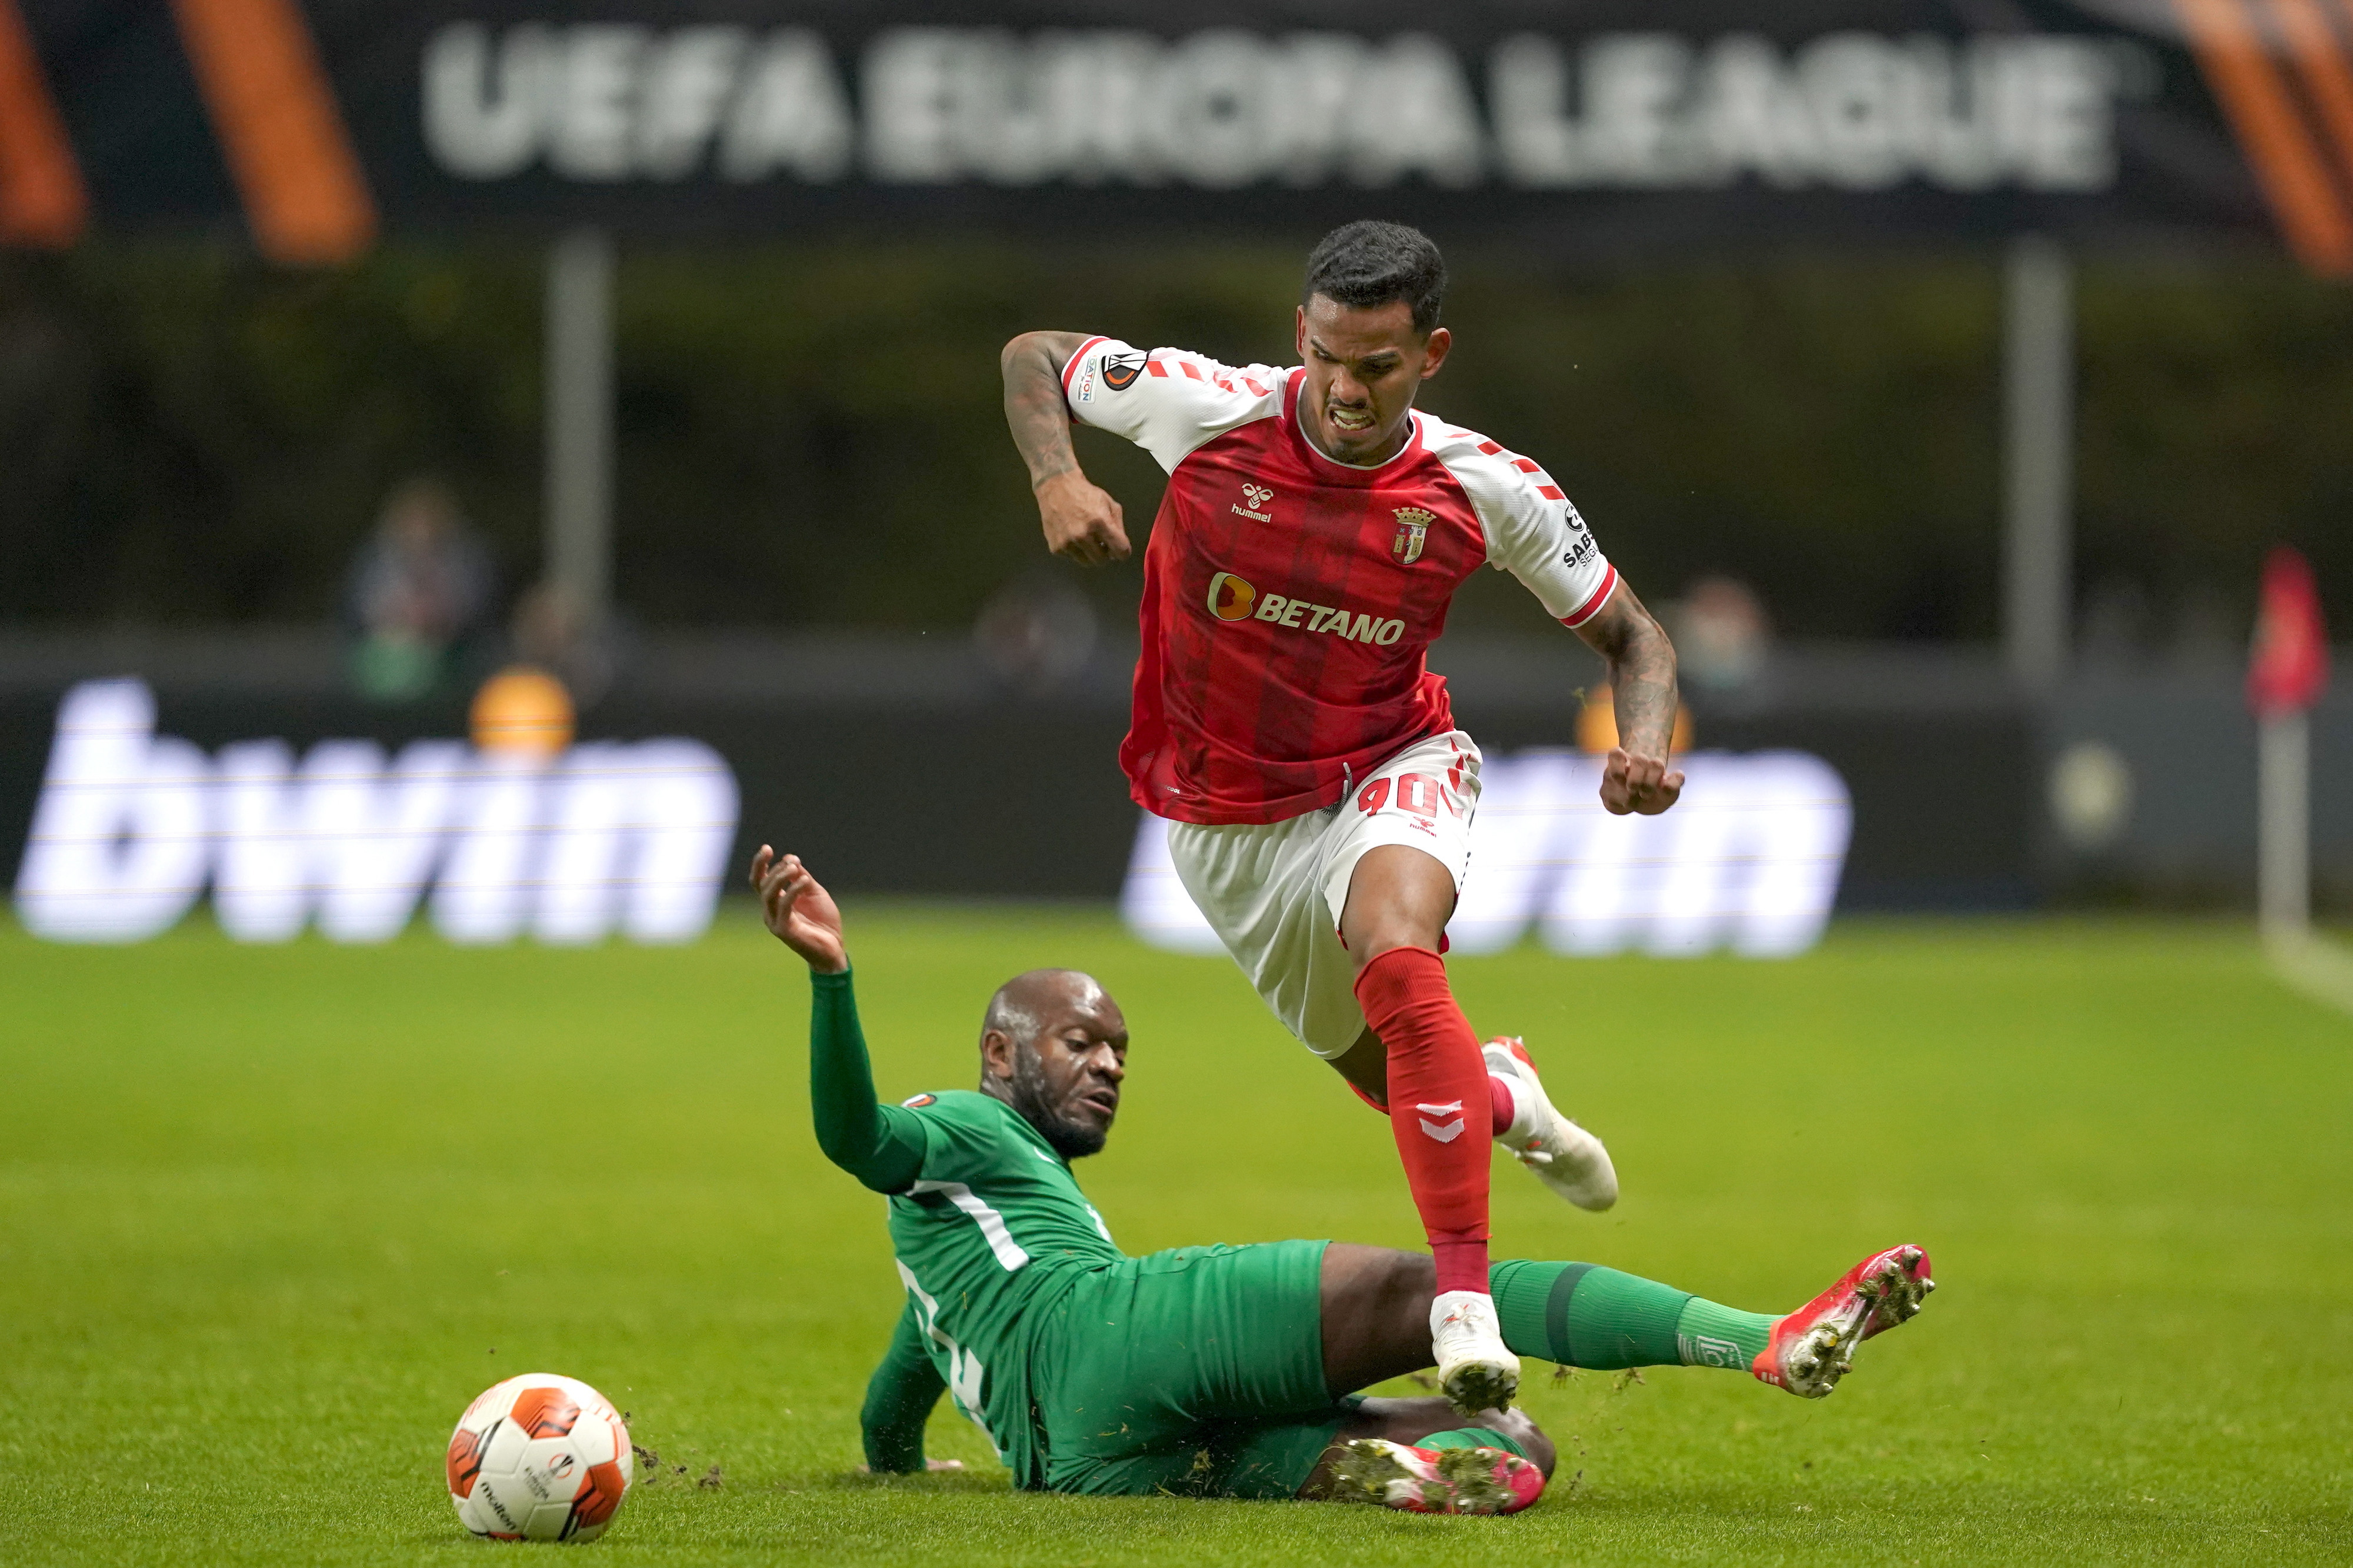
[(1198, 1373)]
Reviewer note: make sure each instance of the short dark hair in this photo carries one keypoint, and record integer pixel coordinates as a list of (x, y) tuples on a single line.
[(1369, 263)]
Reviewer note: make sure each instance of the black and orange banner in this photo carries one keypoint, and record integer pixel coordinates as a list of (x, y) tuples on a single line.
[(278, 127), (1589, 127), (2283, 72), (41, 198)]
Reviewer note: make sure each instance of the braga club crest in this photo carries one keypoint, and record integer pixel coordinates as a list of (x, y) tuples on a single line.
[(1413, 532)]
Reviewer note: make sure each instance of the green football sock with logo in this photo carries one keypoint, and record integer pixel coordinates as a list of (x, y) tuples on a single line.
[(1712, 1335), (1581, 1314)]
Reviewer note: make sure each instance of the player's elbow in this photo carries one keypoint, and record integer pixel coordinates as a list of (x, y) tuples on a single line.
[(1656, 644), (853, 1151), (1041, 354), (1633, 640), (841, 1149), (1021, 346), (873, 1163)]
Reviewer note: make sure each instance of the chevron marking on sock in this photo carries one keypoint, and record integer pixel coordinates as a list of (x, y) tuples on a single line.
[(1444, 1131)]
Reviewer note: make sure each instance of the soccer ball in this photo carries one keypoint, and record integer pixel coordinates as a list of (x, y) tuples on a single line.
[(539, 1457)]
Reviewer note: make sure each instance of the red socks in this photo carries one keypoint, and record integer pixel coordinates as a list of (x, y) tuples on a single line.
[(1438, 1084), (1500, 1106)]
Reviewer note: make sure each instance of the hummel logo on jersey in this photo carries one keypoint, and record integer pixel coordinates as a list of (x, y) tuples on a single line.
[(1449, 1127), (1257, 496), (1413, 532)]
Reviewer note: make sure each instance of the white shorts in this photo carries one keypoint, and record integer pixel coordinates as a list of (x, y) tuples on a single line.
[(1273, 893)]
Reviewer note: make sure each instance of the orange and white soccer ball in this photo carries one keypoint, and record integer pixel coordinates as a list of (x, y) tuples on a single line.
[(539, 1457)]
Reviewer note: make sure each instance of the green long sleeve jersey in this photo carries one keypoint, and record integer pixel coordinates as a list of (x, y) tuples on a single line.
[(989, 1226)]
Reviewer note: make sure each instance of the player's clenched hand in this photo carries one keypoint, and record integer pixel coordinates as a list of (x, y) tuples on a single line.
[(1083, 522), (798, 910), (1645, 786)]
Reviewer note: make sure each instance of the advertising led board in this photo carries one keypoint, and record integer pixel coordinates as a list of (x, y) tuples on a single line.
[(132, 827), (1748, 861)]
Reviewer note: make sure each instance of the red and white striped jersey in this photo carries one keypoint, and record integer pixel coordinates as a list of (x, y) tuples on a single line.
[(1289, 599)]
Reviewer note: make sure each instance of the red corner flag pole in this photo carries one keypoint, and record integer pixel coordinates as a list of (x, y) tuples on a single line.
[(2286, 677)]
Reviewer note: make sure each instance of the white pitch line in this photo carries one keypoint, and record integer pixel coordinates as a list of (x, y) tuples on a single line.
[(2321, 970)]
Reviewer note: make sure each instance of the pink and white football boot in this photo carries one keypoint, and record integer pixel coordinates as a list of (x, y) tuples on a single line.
[(1813, 1347), (1563, 1156), (1435, 1480)]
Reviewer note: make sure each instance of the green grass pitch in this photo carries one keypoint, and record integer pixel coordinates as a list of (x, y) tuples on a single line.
[(270, 1217)]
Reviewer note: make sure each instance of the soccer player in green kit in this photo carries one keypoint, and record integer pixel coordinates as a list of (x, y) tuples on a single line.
[(1205, 1371)]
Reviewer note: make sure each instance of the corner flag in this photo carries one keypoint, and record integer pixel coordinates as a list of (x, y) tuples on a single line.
[(2290, 668)]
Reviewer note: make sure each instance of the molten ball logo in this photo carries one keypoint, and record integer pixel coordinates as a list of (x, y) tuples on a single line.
[(1231, 598)]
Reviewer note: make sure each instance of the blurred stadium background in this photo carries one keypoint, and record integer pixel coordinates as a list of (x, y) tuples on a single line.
[(1948, 402), (499, 460)]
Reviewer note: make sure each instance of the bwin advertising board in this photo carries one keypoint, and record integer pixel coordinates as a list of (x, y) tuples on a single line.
[(1749, 860), (132, 827)]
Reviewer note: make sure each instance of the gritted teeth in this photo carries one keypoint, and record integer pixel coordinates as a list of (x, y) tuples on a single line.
[(1352, 418)]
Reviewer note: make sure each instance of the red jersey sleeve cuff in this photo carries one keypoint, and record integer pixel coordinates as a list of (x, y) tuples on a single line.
[(1071, 369), (1592, 606)]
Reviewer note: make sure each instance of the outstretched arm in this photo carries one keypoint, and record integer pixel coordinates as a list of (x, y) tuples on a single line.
[(1636, 777), (881, 1145), (1082, 520), (898, 1399)]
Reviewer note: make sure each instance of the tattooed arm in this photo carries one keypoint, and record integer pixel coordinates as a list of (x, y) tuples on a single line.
[(1082, 521), (1641, 663)]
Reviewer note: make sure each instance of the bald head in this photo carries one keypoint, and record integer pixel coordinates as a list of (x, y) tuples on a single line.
[(1022, 1004), (1054, 1047)]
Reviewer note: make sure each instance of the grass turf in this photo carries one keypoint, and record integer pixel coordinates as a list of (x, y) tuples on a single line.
[(269, 1216)]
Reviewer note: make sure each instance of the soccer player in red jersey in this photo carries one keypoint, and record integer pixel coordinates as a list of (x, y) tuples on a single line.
[(1314, 528)]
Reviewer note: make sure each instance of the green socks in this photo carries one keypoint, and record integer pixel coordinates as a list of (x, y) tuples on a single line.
[(1581, 1314), (1710, 1335), (1473, 1438)]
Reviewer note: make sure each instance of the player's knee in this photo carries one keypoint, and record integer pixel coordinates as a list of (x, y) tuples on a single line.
[(1391, 930), (1397, 898), (1377, 1285), (1407, 1282), (1387, 936)]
